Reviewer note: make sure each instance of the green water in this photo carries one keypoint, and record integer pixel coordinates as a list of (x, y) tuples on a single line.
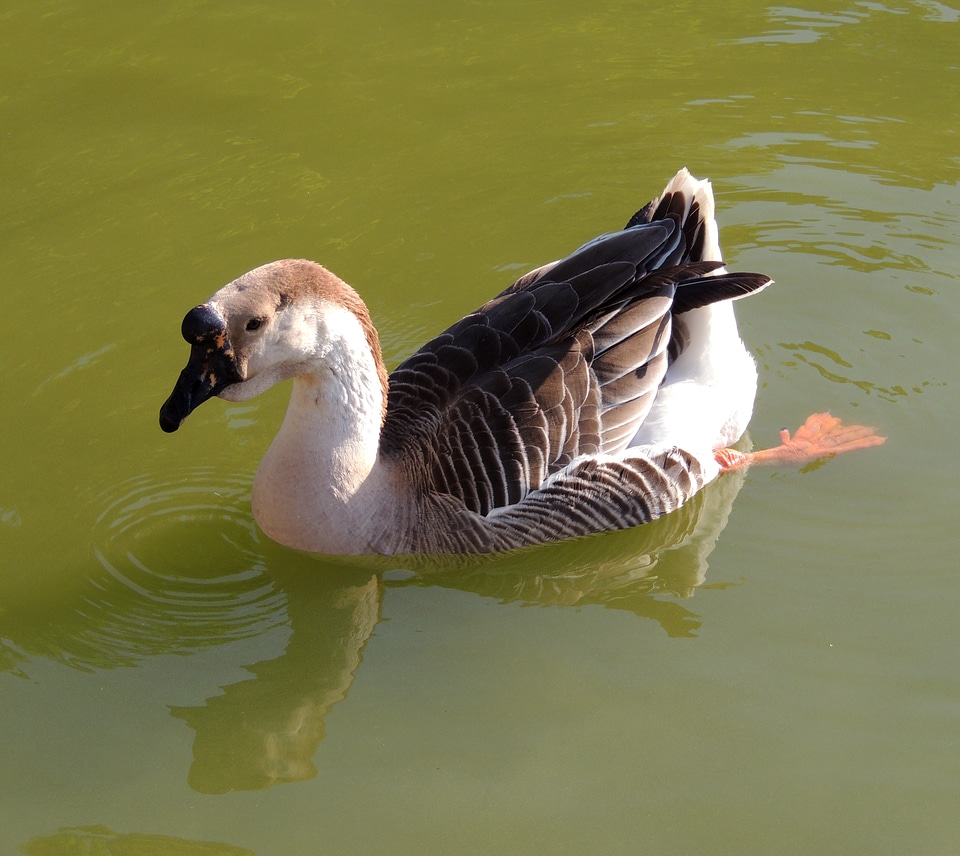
[(773, 670)]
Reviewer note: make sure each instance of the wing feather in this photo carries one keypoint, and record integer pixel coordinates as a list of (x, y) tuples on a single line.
[(565, 363)]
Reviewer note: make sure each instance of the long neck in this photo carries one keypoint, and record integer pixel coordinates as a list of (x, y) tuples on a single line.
[(318, 486)]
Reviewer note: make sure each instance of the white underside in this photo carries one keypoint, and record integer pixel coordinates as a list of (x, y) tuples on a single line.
[(706, 399)]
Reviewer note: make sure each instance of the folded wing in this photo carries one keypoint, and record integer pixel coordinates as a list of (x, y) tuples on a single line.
[(566, 362)]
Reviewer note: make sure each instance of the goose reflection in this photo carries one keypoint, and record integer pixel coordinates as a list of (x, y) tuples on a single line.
[(180, 569), (100, 839), (621, 570), (266, 730)]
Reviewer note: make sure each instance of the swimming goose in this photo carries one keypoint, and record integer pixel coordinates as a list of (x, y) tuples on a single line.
[(598, 392)]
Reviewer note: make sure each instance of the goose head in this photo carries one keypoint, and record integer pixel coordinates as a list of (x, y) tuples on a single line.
[(279, 321)]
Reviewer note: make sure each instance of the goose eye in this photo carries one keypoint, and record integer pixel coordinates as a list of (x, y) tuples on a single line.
[(254, 324)]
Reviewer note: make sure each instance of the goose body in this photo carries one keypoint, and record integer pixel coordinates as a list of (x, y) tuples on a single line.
[(593, 394)]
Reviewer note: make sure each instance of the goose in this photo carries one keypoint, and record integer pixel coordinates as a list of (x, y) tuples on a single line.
[(596, 393)]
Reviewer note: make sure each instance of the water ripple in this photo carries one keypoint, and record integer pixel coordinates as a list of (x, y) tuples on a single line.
[(180, 567)]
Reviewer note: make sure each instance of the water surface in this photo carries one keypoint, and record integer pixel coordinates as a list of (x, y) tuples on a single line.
[(773, 669)]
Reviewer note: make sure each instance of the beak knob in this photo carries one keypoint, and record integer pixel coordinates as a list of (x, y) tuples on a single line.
[(202, 323)]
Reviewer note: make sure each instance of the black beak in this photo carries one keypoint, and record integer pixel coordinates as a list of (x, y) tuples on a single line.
[(211, 368)]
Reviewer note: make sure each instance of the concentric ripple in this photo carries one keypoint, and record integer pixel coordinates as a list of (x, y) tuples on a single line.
[(180, 567)]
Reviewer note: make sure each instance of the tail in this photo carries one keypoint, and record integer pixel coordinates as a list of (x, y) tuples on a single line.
[(706, 398), (691, 200)]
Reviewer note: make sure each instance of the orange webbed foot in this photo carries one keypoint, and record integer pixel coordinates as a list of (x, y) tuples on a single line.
[(821, 436)]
